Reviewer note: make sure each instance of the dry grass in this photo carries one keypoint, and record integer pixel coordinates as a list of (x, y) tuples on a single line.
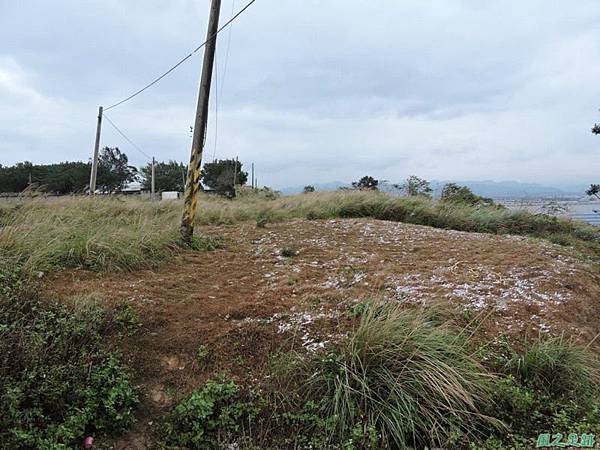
[(124, 234)]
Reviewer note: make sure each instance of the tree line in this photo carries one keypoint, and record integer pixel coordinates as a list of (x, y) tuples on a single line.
[(415, 186), (115, 174)]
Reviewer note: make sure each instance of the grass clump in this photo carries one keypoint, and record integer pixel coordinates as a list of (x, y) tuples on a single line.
[(99, 234), (58, 382), (400, 380), (558, 367), (549, 385), (206, 243)]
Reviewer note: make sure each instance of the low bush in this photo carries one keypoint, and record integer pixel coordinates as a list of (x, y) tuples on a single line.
[(58, 382), (209, 417), (288, 252)]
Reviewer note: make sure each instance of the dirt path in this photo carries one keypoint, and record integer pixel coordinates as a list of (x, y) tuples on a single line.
[(242, 301)]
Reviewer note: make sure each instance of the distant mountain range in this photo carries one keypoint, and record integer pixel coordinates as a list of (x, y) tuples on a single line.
[(486, 188)]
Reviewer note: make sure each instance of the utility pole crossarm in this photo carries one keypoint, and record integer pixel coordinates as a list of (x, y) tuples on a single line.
[(193, 174)]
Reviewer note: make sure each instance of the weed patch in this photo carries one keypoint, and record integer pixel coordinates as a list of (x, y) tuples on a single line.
[(211, 416), (288, 252), (58, 383)]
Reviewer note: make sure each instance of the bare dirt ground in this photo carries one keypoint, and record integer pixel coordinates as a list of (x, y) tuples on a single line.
[(245, 301)]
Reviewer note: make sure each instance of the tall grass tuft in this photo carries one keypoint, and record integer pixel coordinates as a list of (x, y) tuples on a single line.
[(95, 234), (407, 378), (558, 367)]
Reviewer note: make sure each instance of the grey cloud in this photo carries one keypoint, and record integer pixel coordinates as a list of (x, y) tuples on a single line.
[(315, 90)]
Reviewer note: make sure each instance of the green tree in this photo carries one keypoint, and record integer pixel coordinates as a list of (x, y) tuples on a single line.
[(452, 192), (415, 186), (594, 189), (114, 171), (67, 177), (60, 178), (219, 175), (15, 178), (366, 183), (308, 189), (168, 176)]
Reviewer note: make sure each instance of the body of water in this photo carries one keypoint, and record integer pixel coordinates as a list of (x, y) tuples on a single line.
[(582, 210)]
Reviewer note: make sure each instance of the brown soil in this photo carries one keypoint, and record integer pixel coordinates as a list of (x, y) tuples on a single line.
[(244, 301)]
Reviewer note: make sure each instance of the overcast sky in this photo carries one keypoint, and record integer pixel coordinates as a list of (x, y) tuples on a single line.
[(314, 91)]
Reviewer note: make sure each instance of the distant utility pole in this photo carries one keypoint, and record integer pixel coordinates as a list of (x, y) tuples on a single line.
[(193, 175), (94, 173), (153, 183)]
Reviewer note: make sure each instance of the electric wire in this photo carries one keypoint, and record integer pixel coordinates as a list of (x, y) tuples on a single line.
[(137, 147), (156, 80), (219, 94)]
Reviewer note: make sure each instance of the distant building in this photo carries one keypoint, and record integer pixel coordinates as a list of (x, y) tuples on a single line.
[(169, 195)]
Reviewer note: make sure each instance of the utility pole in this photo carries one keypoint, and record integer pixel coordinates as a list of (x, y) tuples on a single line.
[(153, 183), (96, 151), (193, 175)]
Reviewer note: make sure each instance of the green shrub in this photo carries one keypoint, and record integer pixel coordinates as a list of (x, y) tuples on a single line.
[(288, 252), (461, 194), (57, 381), (402, 378), (202, 352), (209, 416), (262, 220)]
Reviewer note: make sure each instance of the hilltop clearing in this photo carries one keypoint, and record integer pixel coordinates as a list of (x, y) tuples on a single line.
[(292, 285), (346, 320)]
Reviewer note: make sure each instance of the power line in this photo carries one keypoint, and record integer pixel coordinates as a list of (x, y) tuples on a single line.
[(217, 93), (135, 94), (126, 138), (228, 50)]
